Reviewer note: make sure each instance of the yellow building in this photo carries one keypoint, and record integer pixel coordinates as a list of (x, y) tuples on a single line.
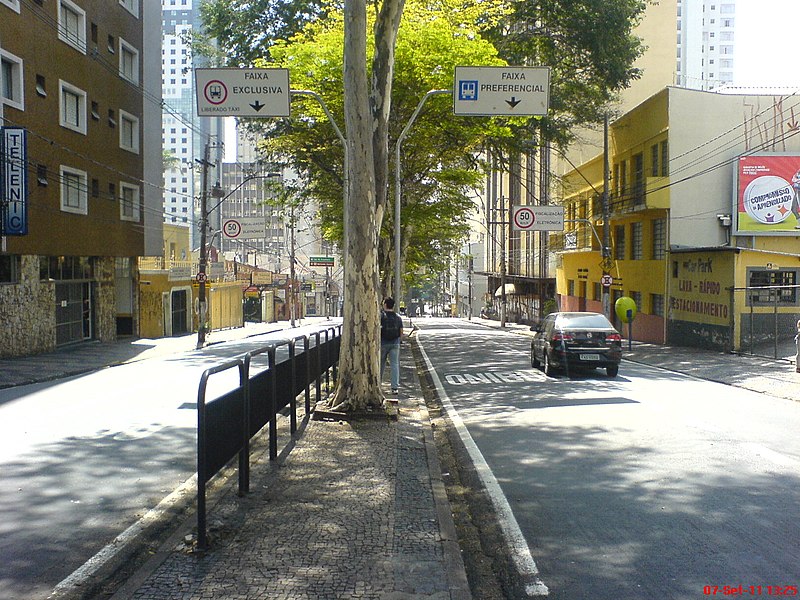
[(687, 240)]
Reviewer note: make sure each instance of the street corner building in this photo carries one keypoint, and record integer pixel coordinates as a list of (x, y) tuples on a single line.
[(80, 174)]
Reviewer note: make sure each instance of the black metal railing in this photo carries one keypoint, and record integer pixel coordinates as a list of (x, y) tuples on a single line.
[(227, 423)]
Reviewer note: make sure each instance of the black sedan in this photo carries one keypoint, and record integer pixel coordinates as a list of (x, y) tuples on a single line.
[(579, 340)]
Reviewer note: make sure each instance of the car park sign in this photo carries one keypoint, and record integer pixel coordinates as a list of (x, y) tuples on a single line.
[(234, 92), (501, 91)]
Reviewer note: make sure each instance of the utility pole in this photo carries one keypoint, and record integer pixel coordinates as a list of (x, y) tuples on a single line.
[(291, 266), (606, 249), (469, 279), (503, 298), (201, 272)]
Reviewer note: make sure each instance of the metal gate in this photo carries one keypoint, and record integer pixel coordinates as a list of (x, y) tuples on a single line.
[(74, 312), (179, 306), (766, 319)]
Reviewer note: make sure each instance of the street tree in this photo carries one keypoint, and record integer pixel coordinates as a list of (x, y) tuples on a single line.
[(590, 47), (440, 164)]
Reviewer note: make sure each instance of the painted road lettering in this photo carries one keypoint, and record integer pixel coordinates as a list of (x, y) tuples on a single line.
[(491, 377)]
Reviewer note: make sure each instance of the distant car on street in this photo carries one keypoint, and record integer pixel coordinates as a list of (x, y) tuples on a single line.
[(579, 340)]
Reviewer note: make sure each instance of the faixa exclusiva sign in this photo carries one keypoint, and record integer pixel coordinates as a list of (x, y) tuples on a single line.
[(768, 194)]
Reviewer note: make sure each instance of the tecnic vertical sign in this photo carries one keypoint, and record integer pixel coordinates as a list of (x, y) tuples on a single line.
[(13, 176)]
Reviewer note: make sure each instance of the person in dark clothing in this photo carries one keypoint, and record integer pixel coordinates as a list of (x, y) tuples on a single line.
[(391, 332)]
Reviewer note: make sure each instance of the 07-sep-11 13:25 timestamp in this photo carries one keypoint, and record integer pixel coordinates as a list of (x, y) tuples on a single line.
[(750, 590)]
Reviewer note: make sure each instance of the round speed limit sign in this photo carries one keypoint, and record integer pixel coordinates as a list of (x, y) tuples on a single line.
[(524, 218), (231, 228)]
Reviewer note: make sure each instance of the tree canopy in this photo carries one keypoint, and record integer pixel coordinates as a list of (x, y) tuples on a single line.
[(440, 165)]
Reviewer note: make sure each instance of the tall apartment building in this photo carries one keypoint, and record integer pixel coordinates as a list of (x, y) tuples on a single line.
[(186, 135), (705, 43), (80, 181)]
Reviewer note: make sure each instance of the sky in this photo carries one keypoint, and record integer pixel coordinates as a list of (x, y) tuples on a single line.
[(767, 42)]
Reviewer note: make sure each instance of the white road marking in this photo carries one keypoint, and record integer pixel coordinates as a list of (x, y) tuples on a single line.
[(520, 552), (80, 576)]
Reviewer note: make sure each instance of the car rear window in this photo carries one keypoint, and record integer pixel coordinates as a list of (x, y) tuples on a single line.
[(588, 321)]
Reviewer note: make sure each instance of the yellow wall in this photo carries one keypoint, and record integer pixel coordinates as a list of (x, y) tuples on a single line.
[(699, 284), (177, 242), (225, 305)]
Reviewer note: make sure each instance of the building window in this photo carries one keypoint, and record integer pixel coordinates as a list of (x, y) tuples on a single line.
[(637, 252), (657, 304), (73, 107), (664, 159), (9, 268), (12, 4), (11, 90), (570, 287), (65, 268), (129, 205), (659, 239), (637, 300), (654, 172), (128, 62), (41, 175), (637, 164), (619, 242), (132, 6), (41, 86), (73, 190), (771, 287), (128, 132), (72, 25)]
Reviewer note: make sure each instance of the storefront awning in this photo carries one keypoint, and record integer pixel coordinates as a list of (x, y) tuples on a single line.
[(510, 289)]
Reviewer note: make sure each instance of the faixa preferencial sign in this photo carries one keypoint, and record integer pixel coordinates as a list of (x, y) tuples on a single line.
[(234, 92), (501, 91)]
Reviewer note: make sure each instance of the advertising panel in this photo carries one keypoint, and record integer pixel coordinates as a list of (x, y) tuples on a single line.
[(768, 194), (699, 291)]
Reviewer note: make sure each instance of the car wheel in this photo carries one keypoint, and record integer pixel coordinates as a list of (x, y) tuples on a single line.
[(612, 370), (547, 367), (534, 360)]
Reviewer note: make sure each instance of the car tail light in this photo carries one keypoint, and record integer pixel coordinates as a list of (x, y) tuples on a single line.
[(614, 337), (561, 337)]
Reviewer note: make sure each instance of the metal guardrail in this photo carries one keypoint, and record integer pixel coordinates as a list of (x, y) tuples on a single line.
[(227, 423)]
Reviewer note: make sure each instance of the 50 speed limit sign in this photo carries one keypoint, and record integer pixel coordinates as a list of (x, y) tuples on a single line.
[(523, 217), (546, 217), (231, 228)]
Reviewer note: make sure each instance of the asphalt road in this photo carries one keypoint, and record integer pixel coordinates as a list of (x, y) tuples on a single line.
[(648, 485), (82, 459)]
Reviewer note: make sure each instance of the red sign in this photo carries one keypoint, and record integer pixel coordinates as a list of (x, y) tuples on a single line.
[(768, 194)]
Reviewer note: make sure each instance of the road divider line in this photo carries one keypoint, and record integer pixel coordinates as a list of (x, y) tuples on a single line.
[(520, 552)]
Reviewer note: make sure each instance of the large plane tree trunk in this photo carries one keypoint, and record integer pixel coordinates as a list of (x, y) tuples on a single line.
[(366, 121)]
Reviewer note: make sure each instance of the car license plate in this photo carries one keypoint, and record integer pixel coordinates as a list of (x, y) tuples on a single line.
[(590, 357)]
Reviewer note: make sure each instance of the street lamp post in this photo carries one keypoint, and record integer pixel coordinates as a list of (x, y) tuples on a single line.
[(202, 276)]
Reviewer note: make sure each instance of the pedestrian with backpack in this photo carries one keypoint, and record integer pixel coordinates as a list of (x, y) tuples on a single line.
[(391, 331)]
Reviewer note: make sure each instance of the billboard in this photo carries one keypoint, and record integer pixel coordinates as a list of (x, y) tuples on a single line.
[(768, 194)]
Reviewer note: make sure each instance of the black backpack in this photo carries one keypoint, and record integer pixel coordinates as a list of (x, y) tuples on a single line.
[(391, 325)]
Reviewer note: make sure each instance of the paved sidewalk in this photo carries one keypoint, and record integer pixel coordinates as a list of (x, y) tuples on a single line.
[(355, 510), (91, 356)]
